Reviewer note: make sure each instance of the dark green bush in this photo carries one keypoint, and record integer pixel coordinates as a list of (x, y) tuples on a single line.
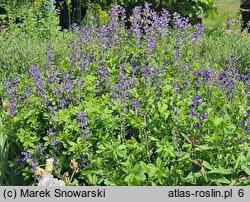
[(149, 105)]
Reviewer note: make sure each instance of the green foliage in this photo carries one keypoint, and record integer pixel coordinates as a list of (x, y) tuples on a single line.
[(194, 9), (230, 43), (128, 110), (35, 18), (95, 10), (7, 153), (27, 51)]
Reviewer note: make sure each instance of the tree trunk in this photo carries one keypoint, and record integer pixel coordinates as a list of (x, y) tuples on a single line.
[(69, 14)]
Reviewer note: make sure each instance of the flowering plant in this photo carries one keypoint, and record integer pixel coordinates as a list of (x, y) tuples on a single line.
[(133, 106)]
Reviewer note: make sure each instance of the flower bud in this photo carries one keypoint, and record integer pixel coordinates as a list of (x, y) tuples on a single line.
[(39, 171), (5, 105), (66, 177), (49, 165), (74, 165)]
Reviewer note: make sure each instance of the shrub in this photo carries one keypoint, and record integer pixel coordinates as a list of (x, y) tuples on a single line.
[(132, 107), (195, 10)]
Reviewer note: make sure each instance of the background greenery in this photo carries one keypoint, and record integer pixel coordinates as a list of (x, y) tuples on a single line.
[(225, 9), (74, 11), (27, 29)]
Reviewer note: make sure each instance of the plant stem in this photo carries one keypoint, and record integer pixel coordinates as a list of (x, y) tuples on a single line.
[(146, 137), (122, 127), (72, 176)]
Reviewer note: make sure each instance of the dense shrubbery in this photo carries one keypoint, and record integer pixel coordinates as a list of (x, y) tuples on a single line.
[(73, 11), (195, 10), (152, 105)]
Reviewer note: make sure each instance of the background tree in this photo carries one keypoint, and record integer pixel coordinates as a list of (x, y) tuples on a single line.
[(78, 11), (194, 9)]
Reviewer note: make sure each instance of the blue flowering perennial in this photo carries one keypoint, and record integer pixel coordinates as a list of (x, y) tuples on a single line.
[(197, 118), (11, 89), (196, 100), (103, 74), (146, 97), (121, 89), (82, 124), (52, 136)]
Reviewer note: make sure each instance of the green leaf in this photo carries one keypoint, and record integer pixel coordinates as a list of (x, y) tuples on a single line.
[(140, 176), (230, 127), (136, 175), (158, 162), (217, 121), (163, 109), (183, 157), (109, 183), (222, 171), (205, 164), (152, 170), (192, 177), (121, 151), (164, 148), (129, 178), (29, 113), (246, 169), (202, 147), (73, 146), (222, 180), (87, 172)]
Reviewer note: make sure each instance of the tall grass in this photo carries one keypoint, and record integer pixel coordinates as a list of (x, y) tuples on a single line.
[(219, 45), (19, 51)]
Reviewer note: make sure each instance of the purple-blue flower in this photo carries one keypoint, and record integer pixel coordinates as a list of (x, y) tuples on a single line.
[(135, 104), (196, 100), (102, 74), (203, 116), (53, 139), (81, 119), (83, 124)]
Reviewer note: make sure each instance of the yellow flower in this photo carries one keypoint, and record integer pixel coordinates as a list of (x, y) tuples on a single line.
[(49, 165)]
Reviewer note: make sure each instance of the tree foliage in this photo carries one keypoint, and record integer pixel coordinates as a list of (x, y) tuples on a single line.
[(74, 11), (194, 9)]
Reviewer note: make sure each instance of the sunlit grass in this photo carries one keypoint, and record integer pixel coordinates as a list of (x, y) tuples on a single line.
[(229, 7), (225, 9)]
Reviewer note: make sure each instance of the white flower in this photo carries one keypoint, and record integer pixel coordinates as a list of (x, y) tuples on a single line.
[(48, 180)]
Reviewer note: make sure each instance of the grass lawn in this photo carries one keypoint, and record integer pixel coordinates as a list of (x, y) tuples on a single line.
[(225, 8), (229, 7)]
